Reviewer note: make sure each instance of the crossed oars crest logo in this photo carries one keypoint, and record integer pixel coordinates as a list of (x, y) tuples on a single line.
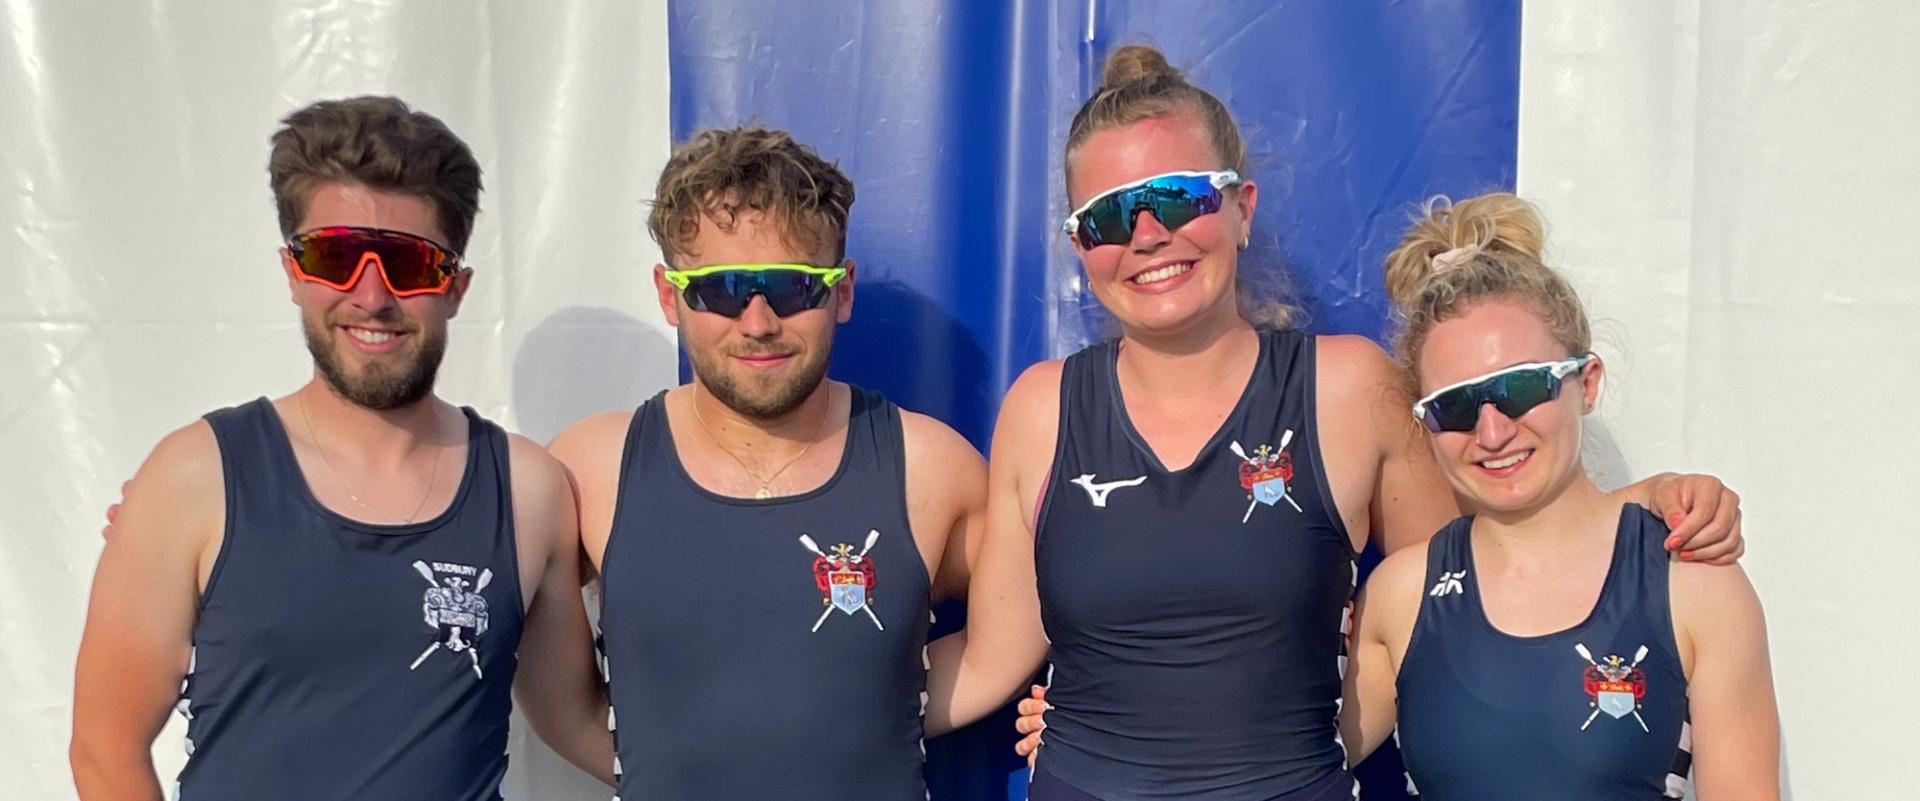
[(845, 578)]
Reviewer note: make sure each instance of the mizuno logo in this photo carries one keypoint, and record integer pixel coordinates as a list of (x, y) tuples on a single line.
[(1449, 584), (1099, 492)]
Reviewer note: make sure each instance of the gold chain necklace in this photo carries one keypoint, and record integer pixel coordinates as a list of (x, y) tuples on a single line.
[(763, 493), (338, 479)]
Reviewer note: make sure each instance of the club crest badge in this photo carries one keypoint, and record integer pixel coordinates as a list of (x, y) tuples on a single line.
[(845, 579), (453, 608), (1614, 685), (1265, 474)]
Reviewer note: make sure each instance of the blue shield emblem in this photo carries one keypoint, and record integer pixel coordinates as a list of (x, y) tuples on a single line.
[(1271, 491), (848, 590), (1619, 705)]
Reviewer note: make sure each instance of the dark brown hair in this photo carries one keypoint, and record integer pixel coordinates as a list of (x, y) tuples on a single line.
[(720, 173), (380, 143)]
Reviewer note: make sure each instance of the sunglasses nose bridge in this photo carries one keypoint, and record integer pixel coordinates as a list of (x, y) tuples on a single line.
[(1148, 231), (1492, 428), (758, 319), (375, 293)]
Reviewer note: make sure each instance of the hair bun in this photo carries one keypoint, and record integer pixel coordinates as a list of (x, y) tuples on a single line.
[(1447, 234), (1135, 63)]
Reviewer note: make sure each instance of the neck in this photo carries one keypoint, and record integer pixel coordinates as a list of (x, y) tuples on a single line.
[(378, 435), (1195, 360), (1196, 336), (1567, 519), (747, 434)]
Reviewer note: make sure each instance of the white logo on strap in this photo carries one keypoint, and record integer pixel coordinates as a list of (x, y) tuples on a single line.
[(1449, 584)]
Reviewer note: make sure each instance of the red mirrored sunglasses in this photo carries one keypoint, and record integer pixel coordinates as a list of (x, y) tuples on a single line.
[(409, 265)]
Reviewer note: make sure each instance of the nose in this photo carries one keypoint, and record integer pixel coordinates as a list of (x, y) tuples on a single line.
[(758, 321), (370, 292), (1148, 234), (1493, 430)]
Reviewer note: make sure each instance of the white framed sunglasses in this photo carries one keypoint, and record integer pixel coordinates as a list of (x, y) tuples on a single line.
[(1173, 198), (1513, 391)]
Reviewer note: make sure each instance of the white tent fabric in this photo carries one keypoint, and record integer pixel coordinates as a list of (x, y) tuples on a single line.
[(144, 289), (1726, 181), (1729, 182)]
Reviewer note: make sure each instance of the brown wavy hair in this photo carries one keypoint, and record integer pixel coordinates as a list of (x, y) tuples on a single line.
[(720, 173), (380, 143)]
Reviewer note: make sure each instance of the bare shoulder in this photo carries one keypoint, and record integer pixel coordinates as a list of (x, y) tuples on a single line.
[(539, 480), (174, 511), (593, 446), (930, 441), (531, 462), (1395, 587), (1030, 413), (945, 475), (1354, 367), (182, 478), (1710, 594)]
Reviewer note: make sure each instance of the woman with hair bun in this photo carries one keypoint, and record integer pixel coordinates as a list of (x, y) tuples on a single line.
[(1174, 515), (1546, 646)]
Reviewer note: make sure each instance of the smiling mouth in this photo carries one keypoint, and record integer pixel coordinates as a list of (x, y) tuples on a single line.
[(1510, 460), (1162, 274), (371, 336)]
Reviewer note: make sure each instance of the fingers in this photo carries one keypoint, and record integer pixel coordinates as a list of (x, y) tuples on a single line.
[(1725, 552), (1694, 514), (1715, 536), (1031, 722), (113, 512), (1027, 747)]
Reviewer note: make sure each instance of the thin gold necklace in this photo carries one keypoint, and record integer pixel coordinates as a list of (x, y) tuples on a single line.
[(338, 479), (763, 493)]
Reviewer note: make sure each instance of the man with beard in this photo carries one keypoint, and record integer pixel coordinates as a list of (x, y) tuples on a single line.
[(768, 540), (332, 585)]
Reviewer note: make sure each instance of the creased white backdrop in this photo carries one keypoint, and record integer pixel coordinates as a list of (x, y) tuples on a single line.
[(1734, 185), (1728, 181), (139, 285)]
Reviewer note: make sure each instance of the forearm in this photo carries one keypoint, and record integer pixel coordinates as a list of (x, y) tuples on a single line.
[(576, 728), (588, 745), (113, 773), (965, 683)]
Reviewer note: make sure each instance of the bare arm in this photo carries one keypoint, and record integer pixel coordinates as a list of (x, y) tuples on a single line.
[(590, 451), (1382, 625), (1365, 415), (139, 630), (1736, 724), (977, 670), (557, 685), (949, 514)]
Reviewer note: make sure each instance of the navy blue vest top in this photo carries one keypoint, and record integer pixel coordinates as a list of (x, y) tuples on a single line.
[(336, 660), (1595, 712), (766, 648), (1196, 615)]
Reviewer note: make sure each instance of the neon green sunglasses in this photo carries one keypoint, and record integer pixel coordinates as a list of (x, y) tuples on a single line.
[(727, 289)]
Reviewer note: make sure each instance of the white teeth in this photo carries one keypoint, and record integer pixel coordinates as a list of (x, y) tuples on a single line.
[(1164, 273), (370, 337), (1503, 463)]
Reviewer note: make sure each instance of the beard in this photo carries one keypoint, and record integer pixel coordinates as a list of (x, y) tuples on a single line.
[(759, 395), (379, 386)]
